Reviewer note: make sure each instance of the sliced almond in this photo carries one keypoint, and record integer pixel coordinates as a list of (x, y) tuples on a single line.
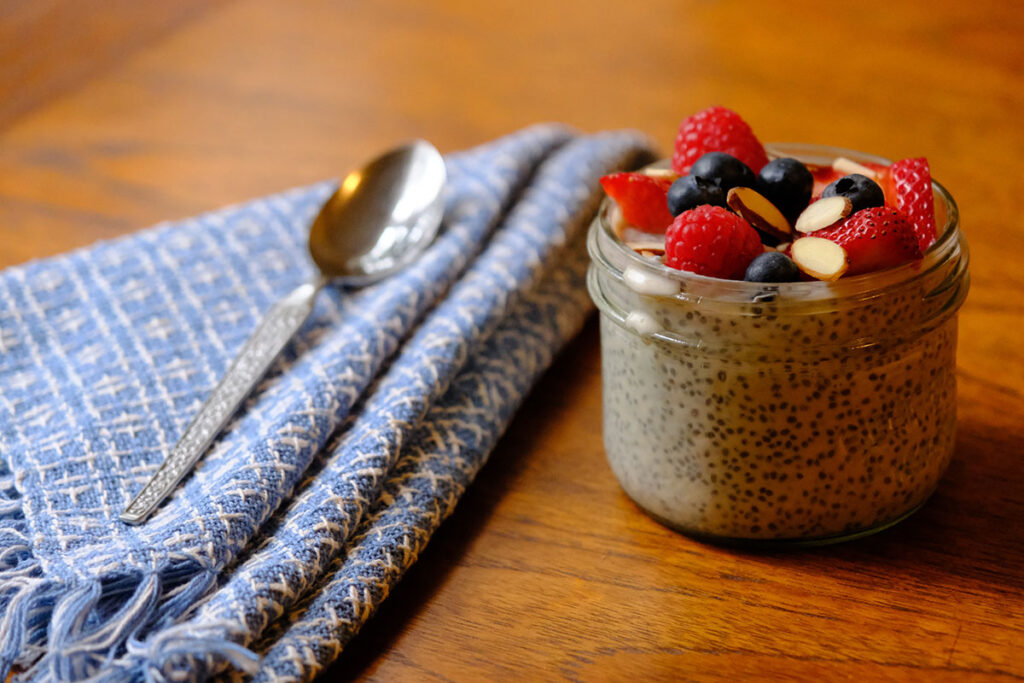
[(759, 212), (783, 247), (820, 258), (823, 213), (848, 166), (647, 243), (660, 173), (648, 247)]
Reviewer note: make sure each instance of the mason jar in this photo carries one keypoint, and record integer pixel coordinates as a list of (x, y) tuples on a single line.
[(795, 413)]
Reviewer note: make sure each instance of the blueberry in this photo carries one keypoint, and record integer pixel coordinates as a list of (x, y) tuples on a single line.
[(772, 266), (863, 192), (787, 184), (691, 191), (725, 170)]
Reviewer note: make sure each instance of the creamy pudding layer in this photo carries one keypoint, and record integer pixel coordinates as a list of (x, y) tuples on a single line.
[(817, 441)]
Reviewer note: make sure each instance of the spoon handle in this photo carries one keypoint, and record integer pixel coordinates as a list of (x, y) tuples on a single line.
[(252, 362)]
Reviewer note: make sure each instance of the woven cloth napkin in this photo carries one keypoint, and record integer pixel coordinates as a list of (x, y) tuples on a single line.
[(331, 479)]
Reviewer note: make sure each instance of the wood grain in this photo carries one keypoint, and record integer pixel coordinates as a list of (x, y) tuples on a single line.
[(48, 47), (547, 570)]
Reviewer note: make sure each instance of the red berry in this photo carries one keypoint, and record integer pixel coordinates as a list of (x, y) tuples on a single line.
[(912, 182), (713, 241), (875, 238), (717, 129), (643, 199)]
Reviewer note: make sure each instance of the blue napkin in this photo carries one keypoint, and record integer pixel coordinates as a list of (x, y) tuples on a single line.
[(332, 478)]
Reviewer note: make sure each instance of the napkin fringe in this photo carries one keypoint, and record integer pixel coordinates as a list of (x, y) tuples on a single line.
[(72, 630), (21, 579), (25, 615), (204, 649)]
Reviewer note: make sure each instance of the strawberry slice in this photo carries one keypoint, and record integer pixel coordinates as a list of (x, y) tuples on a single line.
[(912, 184), (875, 238), (642, 198)]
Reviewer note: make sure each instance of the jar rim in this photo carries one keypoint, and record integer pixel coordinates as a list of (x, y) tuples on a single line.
[(866, 285)]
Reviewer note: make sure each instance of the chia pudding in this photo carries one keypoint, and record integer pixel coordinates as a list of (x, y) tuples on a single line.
[(807, 411)]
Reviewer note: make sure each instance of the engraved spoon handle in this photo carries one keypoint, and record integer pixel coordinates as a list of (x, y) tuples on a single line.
[(252, 362)]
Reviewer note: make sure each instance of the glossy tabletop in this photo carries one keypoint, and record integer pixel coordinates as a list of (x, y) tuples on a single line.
[(117, 115)]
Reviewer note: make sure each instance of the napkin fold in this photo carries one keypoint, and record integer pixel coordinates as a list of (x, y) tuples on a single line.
[(335, 473)]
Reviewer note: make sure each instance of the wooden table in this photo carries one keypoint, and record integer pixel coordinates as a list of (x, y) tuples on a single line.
[(119, 114)]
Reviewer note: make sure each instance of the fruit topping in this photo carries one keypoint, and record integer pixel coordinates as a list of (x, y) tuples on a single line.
[(759, 212), (712, 241), (787, 184), (724, 169), (820, 258), (716, 129), (864, 216), (691, 191), (642, 199), (772, 266), (874, 238), (863, 192), (823, 213), (912, 183)]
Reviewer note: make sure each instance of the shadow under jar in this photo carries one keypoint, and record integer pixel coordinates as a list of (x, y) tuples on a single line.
[(789, 414)]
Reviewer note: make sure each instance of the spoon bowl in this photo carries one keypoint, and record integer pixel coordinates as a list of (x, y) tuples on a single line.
[(381, 217)]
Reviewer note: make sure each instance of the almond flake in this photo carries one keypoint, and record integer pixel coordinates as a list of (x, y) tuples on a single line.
[(754, 208), (820, 258), (653, 246), (848, 166), (823, 213), (660, 173)]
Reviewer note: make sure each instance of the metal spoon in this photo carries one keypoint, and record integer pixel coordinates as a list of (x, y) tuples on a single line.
[(381, 218)]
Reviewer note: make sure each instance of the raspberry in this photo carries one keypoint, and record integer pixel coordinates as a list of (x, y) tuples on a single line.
[(912, 181), (712, 241), (642, 199), (717, 129), (875, 238)]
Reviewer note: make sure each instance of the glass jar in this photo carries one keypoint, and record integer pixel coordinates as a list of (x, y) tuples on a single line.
[(795, 413)]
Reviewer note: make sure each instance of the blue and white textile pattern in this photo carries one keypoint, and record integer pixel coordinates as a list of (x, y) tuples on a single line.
[(338, 469)]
